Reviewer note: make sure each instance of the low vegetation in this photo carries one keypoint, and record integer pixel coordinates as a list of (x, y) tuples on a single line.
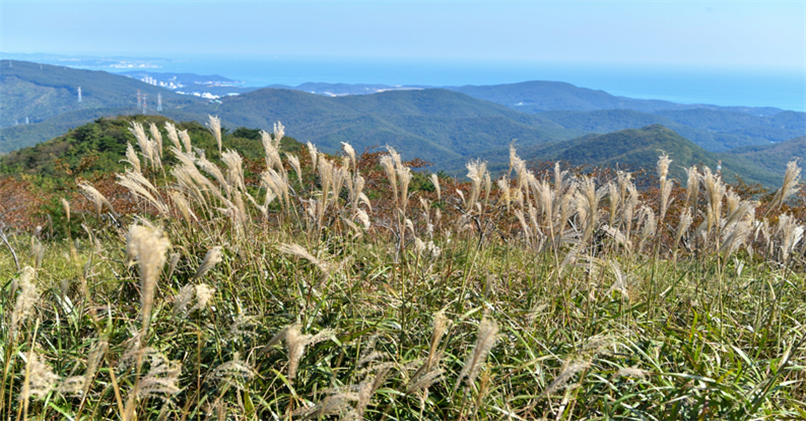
[(202, 284)]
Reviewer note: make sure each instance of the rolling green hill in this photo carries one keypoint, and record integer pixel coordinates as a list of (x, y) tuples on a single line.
[(435, 125), (640, 148), (705, 135), (774, 158), (634, 149), (98, 146)]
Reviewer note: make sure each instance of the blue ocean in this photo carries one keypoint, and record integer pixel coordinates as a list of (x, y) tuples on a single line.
[(723, 87)]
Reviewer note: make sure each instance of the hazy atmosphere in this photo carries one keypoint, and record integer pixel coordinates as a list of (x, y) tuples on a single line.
[(725, 53)]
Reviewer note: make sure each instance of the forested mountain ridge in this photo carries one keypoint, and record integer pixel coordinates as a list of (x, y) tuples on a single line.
[(536, 96), (435, 124), (634, 149), (715, 131), (40, 92)]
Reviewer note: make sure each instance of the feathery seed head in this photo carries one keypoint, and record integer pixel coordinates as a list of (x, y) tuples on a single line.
[(66, 206), (789, 186), (185, 137), (350, 153), (41, 379), (296, 342), (663, 166), (131, 158), (173, 136), (314, 154), (26, 300), (157, 136), (214, 256), (488, 334), (214, 125), (149, 245)]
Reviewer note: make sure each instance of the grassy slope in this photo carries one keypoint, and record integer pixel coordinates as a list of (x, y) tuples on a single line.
[(44, 91), (644, 330), (774, 158)]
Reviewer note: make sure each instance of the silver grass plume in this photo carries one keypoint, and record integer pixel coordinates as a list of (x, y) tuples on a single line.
[(37, 251), (275, 183), (630, 206), (298, 251), (389, 168), (185, 137), (350, 154), (271, 147), (663, 166), (234, 164), (147, 146), (214, 125), (157, 136), (314, 154), (488, 334), (234, 372), (404, 174), (789, 186), (435, 181), (614, 198), (622, 283), (568, 372), (363, 217), (476, 169), (213, 170), (692, 186), (683, 225), (619, 237), (731, 202), (647, 217), (425, 376), (66, 206), (40, 379), (631, 372), (26, 300), (294, 161), (149, 245), (296, 342), (173, 261), (715, 191), (182, 205), (503, 187), (211, 259), (142, 188), (162, 379), (131, 158), (278, 132), (589, 207), (791, 234), (95, 196), (173, 136), (665, 185)]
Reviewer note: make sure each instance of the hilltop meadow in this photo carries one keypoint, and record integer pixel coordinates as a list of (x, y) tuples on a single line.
[(154, 270)]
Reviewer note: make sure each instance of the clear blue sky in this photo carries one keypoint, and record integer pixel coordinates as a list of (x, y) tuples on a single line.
[(713, 34)]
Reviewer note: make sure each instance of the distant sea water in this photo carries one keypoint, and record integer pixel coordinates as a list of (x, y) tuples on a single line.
[(723, 87)]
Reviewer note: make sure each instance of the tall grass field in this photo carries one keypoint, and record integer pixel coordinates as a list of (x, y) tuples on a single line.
[(197, 286)]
